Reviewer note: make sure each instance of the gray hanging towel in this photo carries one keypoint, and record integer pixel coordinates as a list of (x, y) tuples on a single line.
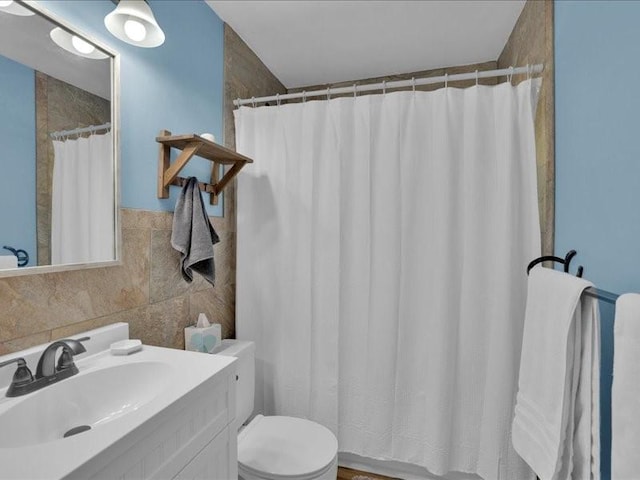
[(193, 235)]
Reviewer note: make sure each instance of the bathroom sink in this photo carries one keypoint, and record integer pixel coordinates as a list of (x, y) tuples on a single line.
[(113, 407), (82, 403)]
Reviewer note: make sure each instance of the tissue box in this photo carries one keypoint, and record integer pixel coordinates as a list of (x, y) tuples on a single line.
[(203, 339)]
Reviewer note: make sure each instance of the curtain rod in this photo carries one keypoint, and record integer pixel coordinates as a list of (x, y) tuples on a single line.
[(77, 131), (529, 70)]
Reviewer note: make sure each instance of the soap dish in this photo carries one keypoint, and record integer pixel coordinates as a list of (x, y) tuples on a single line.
[(126, 347)]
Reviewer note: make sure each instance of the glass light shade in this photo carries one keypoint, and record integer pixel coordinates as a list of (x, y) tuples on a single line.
[(122, 23), (76, 45)]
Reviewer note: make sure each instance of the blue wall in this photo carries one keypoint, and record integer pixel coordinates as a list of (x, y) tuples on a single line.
[(598, 155), (177, 86), (18, 158)]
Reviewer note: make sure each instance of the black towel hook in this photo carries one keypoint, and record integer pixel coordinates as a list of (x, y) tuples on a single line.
[(565, 261)]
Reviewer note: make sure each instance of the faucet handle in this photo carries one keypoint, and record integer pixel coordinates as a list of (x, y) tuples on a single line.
[(22, 376), (72, 347), (65, 360)]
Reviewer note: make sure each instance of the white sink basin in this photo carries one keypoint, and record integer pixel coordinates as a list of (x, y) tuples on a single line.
[(87, 400), (121, 398)]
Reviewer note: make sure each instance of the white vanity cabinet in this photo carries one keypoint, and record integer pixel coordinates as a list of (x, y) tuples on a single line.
[(191, 439), (217, 460)]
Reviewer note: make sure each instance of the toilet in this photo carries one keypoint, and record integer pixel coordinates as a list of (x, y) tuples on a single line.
[(276, 447)]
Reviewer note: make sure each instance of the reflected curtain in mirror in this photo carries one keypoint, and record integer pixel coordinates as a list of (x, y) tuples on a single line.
[(60, 106), (82, 215)]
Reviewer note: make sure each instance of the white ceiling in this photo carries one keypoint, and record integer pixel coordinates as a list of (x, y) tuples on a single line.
[(309, 42)]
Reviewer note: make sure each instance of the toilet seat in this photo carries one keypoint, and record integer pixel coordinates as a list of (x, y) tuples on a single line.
[(277, 447)]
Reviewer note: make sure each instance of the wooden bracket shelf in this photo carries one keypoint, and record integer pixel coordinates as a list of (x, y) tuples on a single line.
[(191, 145)]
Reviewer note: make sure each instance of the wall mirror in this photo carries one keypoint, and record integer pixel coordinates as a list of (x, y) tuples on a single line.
[(59, 155)]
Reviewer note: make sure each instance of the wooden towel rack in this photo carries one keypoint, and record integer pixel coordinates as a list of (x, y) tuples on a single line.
[(192, 144)]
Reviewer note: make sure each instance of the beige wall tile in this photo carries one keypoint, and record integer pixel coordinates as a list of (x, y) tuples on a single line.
[(23, 343), (218, 305), (146, 220), (161, 324), (147, 291), (531, 42), (35, 303), (491, 65), (166, 277), (245, 76)]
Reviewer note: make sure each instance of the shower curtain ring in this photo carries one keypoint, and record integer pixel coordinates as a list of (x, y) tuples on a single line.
[(384, 87), (528, 72), (446, 80), (355, 90), (477, 78), (413, 84), (304, 96), (510, 76), (238, 102), (278, 99), (253, 102)]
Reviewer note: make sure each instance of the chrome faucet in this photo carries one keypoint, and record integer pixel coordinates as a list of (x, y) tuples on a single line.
[(47, 372)]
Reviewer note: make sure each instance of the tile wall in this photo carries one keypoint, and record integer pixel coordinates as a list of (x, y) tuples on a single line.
[(531, 42), (147, 291)]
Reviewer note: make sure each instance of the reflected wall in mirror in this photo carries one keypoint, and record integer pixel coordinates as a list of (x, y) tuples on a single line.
[(58, 180)]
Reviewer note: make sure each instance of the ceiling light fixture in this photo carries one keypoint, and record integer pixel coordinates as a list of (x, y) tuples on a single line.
[(76, 45), (14, 8), (133, 22)]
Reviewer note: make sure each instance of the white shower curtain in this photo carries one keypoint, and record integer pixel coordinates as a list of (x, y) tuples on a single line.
[(82, 215), (381, 255)]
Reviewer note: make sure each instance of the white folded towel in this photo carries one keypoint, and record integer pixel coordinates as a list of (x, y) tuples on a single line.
[(556, 428), (625, 395)]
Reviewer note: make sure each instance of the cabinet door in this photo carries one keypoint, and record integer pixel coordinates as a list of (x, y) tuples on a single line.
[(216, 461)]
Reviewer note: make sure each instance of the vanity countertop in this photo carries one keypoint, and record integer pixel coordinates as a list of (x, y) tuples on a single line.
[(152, 381)]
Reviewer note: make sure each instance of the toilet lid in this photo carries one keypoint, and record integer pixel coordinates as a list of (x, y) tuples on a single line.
[(286, 446)]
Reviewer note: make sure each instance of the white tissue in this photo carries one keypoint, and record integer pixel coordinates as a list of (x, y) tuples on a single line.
[(208, 136), (8, 261), (203, 321)]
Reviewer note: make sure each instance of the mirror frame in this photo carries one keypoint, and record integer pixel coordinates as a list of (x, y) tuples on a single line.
[(115, 132)]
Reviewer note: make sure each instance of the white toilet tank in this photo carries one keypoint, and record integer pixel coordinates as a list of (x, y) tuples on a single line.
[(244, 351)]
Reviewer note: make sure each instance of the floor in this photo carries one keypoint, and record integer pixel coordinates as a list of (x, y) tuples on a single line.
[(350, 474)]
